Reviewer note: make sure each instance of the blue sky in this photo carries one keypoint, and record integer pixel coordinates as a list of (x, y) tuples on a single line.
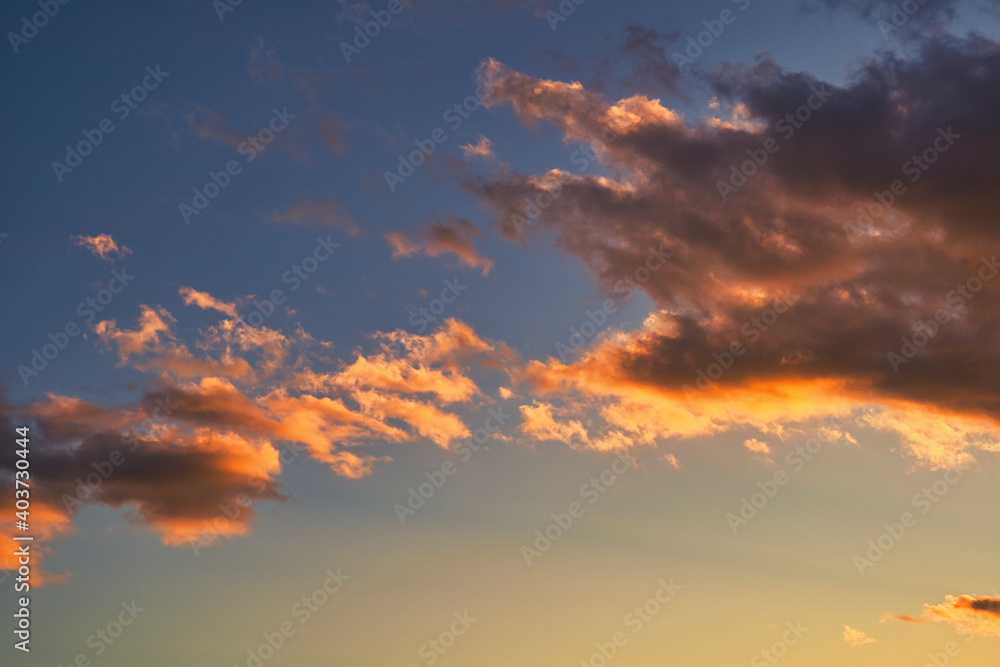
[(374, 403)]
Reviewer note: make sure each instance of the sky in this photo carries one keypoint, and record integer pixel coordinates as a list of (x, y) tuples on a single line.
[(503, 332)]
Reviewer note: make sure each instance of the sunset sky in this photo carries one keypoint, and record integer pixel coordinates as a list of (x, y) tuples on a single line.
[(514, 332)]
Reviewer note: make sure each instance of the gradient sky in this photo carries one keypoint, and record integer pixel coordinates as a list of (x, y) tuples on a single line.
[(757, 339)]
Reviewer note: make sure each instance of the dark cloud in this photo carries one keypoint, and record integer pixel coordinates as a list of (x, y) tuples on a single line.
[(171, 479), (657, 181), (923, 13)]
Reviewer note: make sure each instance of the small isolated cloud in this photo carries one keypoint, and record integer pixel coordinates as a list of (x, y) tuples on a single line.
[(330, 132), (671, 460), (756, 446), (328, 212), (856, 637), (454, 236), (969, 614), (193, 297), (102, 246), (210, 125), (760, 449), (482, 148)]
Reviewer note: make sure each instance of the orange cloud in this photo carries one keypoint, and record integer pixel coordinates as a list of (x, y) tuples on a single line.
[(969, 614), (455, 236), (482, 148), (856, 637), (206, 301), (218, 423), (539, 422), (47, 523), (102, 246), (154, 324)]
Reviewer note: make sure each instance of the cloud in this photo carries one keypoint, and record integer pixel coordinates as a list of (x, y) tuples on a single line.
[(154, 325), (81, 457), (760, 449), (210, 125), (409, 379), (756, 446), (102, 246), (855, 637), (482, 148), (857, 298), (539, 422), (328, 212), (930, 17), (265, 66), (330, 132), (220, 413), (968, 614), (207, 301), (453, 236), (641, 59)]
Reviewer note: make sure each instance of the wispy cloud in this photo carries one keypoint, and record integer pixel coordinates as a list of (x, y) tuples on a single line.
[(205, 300), (102, 246), (453, 236), (327, 212)]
